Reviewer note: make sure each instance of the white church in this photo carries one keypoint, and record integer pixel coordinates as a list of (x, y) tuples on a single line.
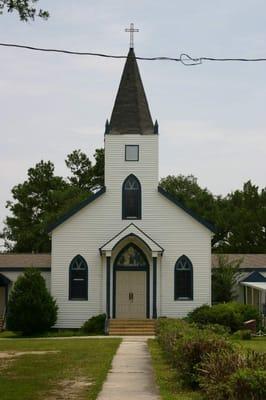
[(131, 250)]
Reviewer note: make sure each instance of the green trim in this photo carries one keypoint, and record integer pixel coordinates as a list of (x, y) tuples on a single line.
[(174, 200), (75, 209), (154, 287), (108, 281)]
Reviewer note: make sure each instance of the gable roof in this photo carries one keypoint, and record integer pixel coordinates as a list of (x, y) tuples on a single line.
[(255, 276), (131, 114), (178, 203), (131, 230), (75, 209)]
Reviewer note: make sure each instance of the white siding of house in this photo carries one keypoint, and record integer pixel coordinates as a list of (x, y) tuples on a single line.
[(85, 232)]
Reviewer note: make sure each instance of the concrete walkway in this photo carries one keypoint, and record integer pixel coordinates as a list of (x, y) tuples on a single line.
[(131, 376)]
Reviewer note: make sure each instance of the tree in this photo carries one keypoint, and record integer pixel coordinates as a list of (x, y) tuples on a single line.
[(244, 221), (85, 175), (44, 197), (32, 200), (31, 308), (25, 9), (224, 279)]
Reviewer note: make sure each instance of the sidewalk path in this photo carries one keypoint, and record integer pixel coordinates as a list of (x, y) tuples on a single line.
[(131, 376)]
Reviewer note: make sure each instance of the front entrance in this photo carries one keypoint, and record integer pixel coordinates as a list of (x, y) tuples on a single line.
[(131, 284), (131, 294)]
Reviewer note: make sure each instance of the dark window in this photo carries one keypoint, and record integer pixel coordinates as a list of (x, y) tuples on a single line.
[(78, 279), (132, 152), (183, 279), (131, 198)]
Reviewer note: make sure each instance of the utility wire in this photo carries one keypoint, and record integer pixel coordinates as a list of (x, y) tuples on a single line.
[(184, 58)]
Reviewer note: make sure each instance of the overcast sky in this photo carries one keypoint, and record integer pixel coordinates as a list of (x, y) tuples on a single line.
[(212, 117)]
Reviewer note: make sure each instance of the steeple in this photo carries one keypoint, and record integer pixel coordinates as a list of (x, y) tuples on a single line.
[(131, 114)]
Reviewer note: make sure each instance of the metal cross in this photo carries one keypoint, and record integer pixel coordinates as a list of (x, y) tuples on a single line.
[(131, 30)]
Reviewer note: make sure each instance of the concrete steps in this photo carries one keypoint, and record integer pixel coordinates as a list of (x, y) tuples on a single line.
[(131, 327)]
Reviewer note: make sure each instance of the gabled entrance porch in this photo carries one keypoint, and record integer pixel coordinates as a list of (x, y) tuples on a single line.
[(130, 262)]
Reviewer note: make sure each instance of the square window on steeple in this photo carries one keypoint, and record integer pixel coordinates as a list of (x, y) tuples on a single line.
[(132, 152)]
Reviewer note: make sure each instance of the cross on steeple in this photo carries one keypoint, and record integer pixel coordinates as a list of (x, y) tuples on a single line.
[(131, 30)]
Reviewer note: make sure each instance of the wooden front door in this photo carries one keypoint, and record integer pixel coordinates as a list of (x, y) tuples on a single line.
[(131, 294)]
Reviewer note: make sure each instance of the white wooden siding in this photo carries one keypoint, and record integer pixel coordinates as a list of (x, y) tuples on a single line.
[(85, 232)]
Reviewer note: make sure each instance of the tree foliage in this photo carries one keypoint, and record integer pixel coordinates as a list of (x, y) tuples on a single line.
[(31, 308), (25, 8), (224, 279), (43, 197)]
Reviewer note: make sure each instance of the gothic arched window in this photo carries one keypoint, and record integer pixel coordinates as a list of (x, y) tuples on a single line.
[(183, 279), (131, 198), (131, 256), (78, 279)]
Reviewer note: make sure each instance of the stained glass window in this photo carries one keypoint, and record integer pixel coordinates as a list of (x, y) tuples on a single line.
[(183, 279), (78, 279), (131, 198), (131, 257)]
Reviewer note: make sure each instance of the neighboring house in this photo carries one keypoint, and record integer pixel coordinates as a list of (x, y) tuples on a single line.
[(251, 280), (251, 288), (13, 265)]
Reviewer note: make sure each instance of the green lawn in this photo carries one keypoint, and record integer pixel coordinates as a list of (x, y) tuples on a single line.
[(257, 344), (79, 366), (167, 378)]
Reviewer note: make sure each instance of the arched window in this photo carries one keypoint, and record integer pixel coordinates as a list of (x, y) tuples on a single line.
[(183, 279), (78, 279), (131, 198), (131, 256)]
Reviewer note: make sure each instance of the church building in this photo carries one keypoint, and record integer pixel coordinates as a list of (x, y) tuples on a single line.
[(131, 250)]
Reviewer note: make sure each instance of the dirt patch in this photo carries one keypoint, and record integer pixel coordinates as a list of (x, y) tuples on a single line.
[(13, 354), (69, 389)]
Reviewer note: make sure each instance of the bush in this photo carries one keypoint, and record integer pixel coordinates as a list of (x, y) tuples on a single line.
[(233, 315), (244, 334), (186, 346), (95, 324), (31, 308), (246, 384), (218, 374)]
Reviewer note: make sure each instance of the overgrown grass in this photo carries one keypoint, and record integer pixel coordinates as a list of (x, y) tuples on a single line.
[(33, 377), (169, 382)]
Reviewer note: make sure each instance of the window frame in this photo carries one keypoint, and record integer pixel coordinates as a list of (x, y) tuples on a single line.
[(70, 279), (131, 145), (139, 206), (176, 270)]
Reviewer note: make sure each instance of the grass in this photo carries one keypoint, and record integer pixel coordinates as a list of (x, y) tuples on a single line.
[(257, 344), (34, 377), (167, 378), (50, 333)]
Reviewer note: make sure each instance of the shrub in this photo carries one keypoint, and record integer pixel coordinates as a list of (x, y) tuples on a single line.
[(231, 315), (243, 334), (31, 308), (247, 384), (219, 372), (190, 350), (95, 324)]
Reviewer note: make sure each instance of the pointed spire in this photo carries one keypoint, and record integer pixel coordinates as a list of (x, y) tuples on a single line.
[(131, 114)]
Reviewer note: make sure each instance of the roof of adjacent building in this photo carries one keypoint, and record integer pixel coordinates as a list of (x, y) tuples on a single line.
[(131, 114), (249, 261), (10, 261), (22, 260)]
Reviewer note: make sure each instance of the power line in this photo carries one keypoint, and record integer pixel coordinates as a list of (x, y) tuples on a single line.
[(184, 58)]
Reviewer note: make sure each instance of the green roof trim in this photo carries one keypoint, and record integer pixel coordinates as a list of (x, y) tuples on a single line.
[(178, 203), (75, 209)]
